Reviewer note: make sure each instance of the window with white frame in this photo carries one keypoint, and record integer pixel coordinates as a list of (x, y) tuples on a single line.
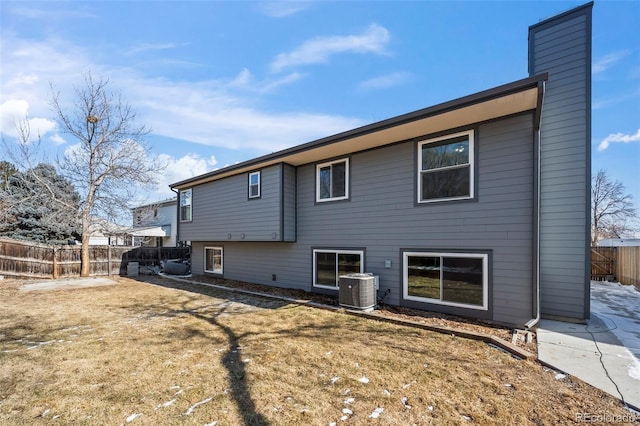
[(454, 279), (328, 265), (185, 205), (445, 168), (332, 180), (254, 185), (213, 258)]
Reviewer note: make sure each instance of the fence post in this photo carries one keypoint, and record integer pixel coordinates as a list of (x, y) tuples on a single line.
[(55, 264), (109, 260)]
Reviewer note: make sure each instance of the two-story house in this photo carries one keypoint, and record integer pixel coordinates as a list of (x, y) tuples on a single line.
[(155, 224), (476, 207)]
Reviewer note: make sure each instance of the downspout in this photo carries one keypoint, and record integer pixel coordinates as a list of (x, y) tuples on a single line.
[(177, 214), (536, 296)]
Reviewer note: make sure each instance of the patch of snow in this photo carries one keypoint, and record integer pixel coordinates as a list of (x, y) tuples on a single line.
[(246, 360), (166, 404), (347, 411), (560, 376), (357, 365), (45, 412), (133, 417), (467, 418), (346, 392), (334, 380), (376, 413), (386, 392), (211, 424), (38, 344), (634, 368), (430, 408), (364, 380), (349, 400), (193, 407), (425, 365), (344, 418), (405, 386), (405, 402), (617, 305), (333, 424)]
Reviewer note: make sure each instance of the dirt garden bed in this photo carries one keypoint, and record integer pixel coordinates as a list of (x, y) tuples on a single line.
[(389, 311)]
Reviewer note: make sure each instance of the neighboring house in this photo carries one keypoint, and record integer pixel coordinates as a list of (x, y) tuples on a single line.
[(619, 242), (155, 224), (105, 233), (476, 207)]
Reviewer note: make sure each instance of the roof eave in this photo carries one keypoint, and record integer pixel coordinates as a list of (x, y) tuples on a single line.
[(496, 93)]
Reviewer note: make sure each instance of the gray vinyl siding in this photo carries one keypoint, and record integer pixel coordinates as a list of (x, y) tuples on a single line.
[(382, 219), (289, 202), (222, 210), (561, 46)]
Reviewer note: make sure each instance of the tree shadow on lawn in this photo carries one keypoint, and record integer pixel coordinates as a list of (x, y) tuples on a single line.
[(234, 304), (232, 362), (231, 359)]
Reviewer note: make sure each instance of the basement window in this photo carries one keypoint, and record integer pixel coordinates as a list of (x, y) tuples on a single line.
[(454, 279)]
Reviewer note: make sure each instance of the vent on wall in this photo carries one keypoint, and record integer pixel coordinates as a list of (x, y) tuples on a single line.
[(358, 291)]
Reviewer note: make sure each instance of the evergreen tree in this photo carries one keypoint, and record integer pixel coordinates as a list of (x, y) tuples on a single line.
[(40, 205)]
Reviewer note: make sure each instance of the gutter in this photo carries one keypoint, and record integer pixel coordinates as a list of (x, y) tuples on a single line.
[(538, 211), (177, 213), (536, 297)]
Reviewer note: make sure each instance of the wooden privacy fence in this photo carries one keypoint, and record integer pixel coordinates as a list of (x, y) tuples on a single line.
[(31, 260), (621, 263)]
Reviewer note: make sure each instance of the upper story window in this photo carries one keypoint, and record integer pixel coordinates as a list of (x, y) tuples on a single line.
[(445, 168), (254, 185), (332, 180), (185, 205)]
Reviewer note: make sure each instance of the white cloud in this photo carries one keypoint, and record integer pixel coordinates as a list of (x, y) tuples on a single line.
[(615, 99), (605, 62), (49, 14), (385, 81), (618, 138), (320, 49), (14, 111), (182, 168), (57, 139), (23, 79), (41, 126), (246, 81), (224, 112), (150, 47), (282, 9), (11, 112)]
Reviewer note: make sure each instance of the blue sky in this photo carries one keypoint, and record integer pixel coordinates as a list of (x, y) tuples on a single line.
[(221, 82)]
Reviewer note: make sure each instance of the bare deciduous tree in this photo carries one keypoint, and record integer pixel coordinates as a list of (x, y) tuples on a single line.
[(110, 159), (611, 209)]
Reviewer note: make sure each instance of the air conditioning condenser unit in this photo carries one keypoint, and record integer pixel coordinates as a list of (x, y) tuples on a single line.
[(358, 291)]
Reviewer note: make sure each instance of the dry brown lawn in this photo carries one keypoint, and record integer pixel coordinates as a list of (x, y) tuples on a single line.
[(171, 353)]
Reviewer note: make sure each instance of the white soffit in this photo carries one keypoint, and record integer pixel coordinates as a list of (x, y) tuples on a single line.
[(524, 100), (156, 231)]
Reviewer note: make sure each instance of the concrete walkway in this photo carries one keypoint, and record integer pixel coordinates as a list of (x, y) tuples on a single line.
[(605, 352), (67, 284)]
